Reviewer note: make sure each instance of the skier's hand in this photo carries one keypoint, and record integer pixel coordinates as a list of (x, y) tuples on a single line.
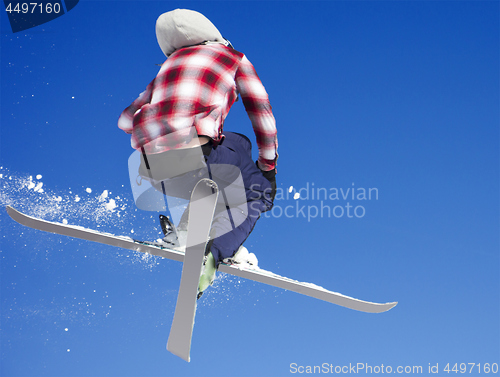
[(270, 175)]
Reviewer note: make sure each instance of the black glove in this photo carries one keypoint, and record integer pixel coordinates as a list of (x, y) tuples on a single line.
[(270, 175)]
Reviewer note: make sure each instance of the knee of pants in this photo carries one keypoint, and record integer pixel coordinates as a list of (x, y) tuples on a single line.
[(225, 245)]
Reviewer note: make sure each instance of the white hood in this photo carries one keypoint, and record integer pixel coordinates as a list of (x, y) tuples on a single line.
[(182, 28)]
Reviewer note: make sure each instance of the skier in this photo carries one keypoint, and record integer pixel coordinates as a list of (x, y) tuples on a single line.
[(184, 107)]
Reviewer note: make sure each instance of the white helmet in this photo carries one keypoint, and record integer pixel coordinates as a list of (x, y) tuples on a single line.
[(182, 28)]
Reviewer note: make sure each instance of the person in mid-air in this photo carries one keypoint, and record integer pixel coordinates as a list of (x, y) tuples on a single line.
[(191, 96)]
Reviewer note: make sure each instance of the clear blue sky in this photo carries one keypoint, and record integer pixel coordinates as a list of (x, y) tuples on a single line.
[(401, 97)]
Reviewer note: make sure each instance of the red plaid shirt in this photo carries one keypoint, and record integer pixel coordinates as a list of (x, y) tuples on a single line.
[(196, 86)]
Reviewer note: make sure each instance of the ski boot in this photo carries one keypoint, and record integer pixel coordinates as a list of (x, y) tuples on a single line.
[(170, 233), (207, 272), (243, 257)]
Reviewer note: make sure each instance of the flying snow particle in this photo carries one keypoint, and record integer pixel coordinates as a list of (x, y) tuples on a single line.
[(89, 190), (290, 189), (103, 196), (66, 329), (65, 222), (111, 205), (77, 198), (296, 196), (39, 176), (38, 187)]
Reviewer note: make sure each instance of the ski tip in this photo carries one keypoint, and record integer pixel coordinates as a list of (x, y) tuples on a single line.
[(376, 308), (208, 183), (390, 305), (11, 211)]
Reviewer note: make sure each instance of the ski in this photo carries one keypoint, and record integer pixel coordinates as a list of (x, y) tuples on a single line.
[(201, 212), (177, 254)]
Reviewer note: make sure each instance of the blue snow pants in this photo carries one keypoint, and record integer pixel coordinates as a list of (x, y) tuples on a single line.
[(236, 150), (244, 192)]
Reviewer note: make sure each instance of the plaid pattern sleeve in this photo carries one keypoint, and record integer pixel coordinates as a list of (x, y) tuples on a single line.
[(125, 122), (256, 102)]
